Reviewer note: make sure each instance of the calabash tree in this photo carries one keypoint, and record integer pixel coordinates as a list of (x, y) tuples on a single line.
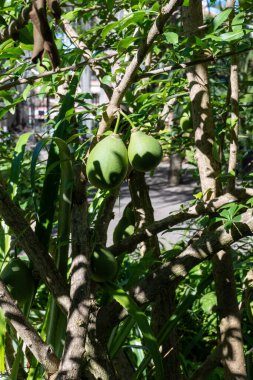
[(73, 307)]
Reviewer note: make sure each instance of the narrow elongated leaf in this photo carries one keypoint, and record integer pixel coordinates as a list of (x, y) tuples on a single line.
[(221, 18), (17, 162), (119, 337), (232, 36), (189, 298), (148, 337), (51, 183)]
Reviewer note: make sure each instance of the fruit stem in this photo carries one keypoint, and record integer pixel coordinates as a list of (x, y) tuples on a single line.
[(127, 118), (117, 125)]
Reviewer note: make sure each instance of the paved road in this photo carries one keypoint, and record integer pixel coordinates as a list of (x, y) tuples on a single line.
[(165, 199)]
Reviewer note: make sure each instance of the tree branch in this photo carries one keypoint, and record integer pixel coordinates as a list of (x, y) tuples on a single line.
[(87, 54), (35, 78), (171, 273), (234, 101), (120, 90), (211, 362), (42, 352), (78, 317), (129, 244), (27, 239), (185, 65), (206, 246)]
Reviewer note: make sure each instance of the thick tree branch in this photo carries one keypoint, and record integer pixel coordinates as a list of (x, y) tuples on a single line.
[(209, 170), (120, 90), (27, 239), (129, 244), (232, 354), (206, 246), (185, 65), (171, 273), (42, 352), (78, 317), (105, 216), (234, 100), (211, 362), (202, 115), (87, 55), (34, 78)]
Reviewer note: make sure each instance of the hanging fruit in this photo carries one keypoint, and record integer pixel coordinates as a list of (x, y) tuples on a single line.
[(19, 280), (125, 226), (144, 152), (103, 265), (107, 163)]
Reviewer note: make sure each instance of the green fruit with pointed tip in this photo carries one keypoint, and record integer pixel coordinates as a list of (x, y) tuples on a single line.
[(125, 226), (103, 265), (144, 152), (19, 280), (107, 163)]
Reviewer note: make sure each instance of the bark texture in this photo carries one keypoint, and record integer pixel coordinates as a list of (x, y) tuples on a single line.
[(42, 352), (163, 305), (234, 102), (201, 109), (78, 317), (43, 263), (120, 90), (209, 172), (229, 315)]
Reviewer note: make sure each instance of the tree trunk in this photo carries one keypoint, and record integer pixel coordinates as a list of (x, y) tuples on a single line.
[(164, 305), (230, 328), (175, 177)]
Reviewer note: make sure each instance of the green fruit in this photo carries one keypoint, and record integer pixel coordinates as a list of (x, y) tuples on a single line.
[(103, 265), (122, 230), (128, 213), (186, 122), (107, 163), (144, 152), (19, 280), (125, 227)]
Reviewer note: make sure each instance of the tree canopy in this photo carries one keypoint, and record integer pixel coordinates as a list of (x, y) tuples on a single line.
[(173, 80)]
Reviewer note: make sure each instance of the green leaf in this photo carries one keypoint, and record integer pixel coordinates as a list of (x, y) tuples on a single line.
[(26, 91), (189, 297), (133, 18), (149, 339), (107, 79), (171, 37), (232, 36), (221, 18), (17, 162), (207, 302), (238, 21), (108, 28), (118, 337), (126, 42)]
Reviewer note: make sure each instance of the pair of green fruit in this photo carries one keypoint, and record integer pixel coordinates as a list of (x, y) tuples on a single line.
[(107, 163)]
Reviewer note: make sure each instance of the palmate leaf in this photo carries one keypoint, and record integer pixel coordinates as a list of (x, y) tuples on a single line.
[(141, 319)]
